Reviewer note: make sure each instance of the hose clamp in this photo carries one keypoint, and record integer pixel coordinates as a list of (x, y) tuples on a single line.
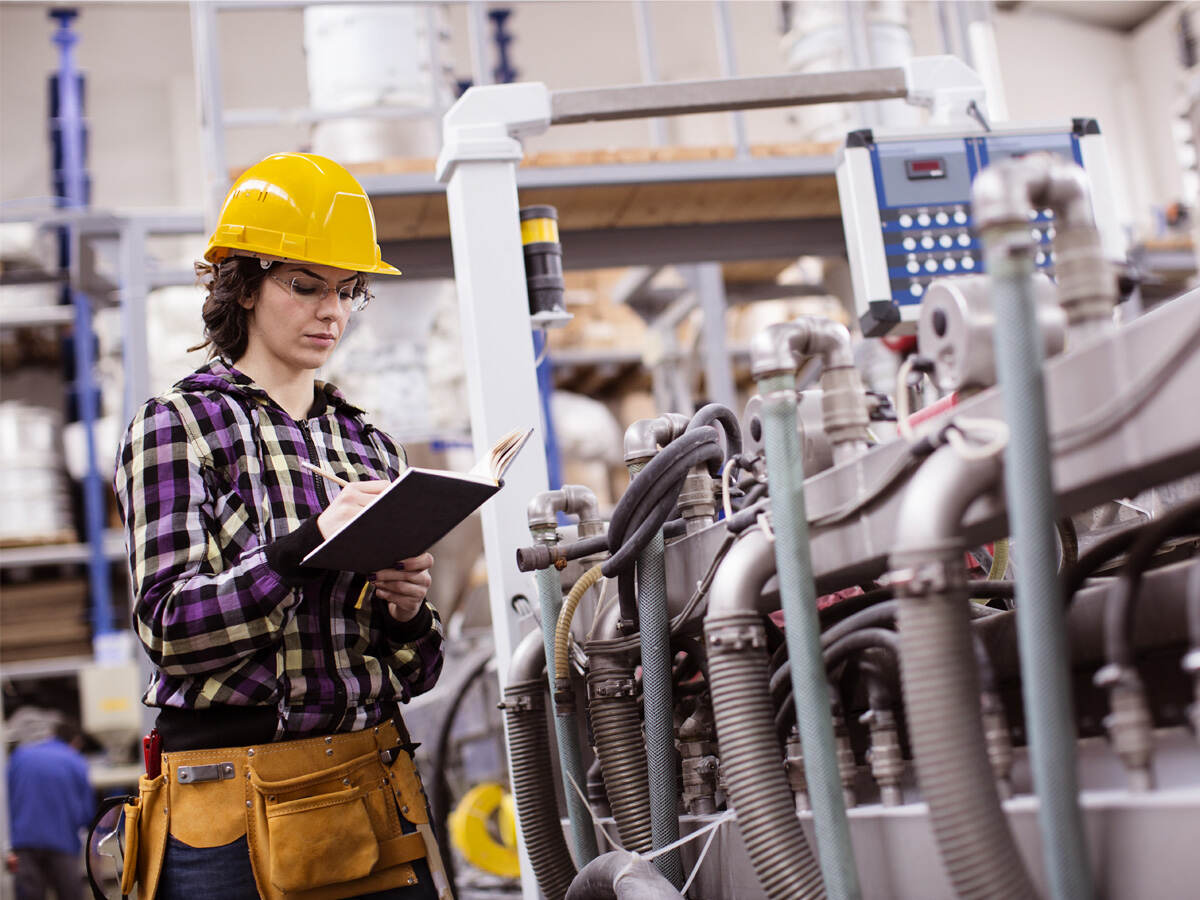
[(736, 637), (609, 688), (934, 577), (517, 703)]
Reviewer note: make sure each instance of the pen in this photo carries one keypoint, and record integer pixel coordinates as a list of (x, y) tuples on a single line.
[(341, 482), (317, 470)]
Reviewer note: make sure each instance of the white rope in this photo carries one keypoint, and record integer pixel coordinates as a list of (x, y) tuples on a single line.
[(710, 829), (615, 844)]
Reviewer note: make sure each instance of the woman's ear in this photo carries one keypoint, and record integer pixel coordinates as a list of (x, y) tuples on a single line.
[(247, 301)]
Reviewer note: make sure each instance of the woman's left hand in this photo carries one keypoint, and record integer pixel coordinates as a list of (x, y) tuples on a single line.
[(403, 588)]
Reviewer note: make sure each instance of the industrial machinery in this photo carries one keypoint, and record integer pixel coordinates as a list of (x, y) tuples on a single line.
[(799, 660)]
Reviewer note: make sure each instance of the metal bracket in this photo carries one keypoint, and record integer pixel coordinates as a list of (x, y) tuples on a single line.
[(212, 772)]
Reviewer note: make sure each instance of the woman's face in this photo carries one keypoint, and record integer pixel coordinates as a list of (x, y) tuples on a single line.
[(297, 317)]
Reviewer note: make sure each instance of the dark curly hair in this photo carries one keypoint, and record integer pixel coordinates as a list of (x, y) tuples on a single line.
[(226, 320)]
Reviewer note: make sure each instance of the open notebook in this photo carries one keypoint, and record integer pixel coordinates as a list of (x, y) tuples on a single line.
[(415, 512)]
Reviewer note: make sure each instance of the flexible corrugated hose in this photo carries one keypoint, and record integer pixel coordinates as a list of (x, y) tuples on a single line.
[(941, 699), (529, 751), (751, 759), (617, 729)]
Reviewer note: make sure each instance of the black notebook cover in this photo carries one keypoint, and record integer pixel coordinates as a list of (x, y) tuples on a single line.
[(419, 509)]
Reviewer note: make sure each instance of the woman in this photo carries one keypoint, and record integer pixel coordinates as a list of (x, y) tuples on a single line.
[(285, 763)]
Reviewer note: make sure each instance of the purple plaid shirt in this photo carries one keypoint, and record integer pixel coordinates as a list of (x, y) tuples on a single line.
[(218, 515)]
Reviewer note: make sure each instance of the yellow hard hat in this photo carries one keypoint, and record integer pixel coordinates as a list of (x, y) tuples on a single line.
[(299, 206)]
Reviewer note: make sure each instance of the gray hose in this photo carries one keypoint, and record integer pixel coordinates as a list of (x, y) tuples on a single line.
[(941, 685), (659, 703), (797, 593), (750, 759), (583, 834), (620, 875), (941, 698), (529, 752), (754, 779), (617, 729), (1041, 624)]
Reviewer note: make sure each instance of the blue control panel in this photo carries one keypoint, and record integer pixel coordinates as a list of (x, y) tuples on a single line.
[(924, 195)]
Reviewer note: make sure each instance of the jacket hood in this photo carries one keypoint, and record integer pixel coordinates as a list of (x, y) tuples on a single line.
[(218, 375)]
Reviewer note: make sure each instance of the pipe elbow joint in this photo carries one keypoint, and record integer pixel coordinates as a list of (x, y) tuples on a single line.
[(542, 511), (771, 349), (645, 436), (831, 340)]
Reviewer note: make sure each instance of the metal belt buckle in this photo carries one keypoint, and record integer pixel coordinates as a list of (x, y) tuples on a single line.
[(212, 772)]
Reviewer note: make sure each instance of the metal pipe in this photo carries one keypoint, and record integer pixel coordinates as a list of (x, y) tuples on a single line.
[(941, 685), (779, 348), (756, 783), (1002, 195), (773, 363), (620, 875)]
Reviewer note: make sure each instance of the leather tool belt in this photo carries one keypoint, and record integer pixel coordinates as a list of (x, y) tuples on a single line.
[(322, 816)]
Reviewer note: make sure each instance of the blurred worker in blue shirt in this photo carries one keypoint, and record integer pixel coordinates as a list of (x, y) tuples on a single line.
[(49, 801)]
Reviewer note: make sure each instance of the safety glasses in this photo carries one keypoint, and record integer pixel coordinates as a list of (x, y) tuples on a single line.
[(307, 289)]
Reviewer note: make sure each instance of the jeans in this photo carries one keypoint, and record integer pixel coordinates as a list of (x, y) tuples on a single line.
[(224, 873)]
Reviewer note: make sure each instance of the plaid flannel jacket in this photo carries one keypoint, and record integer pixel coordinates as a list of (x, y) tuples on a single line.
[(218, 515)]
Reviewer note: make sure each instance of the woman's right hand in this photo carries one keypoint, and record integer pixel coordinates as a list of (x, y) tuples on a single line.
[(348, 504)]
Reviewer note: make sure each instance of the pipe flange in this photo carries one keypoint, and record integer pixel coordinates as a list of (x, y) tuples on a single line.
[(736, 637)]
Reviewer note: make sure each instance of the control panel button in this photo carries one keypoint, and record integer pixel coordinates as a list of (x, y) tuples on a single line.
[(916, 289), (913, 266), (927, 242), (1035, 233), (910, 243), (960, 217), (923, 220), (946, 241), (949, 264), (942, 219), (968, 263), (964, 240), (1050, 232), (1041, 258), (905, 220), (931, 265)]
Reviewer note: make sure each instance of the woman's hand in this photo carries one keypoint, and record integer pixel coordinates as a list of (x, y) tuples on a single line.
[(404, 587), (348, 504)]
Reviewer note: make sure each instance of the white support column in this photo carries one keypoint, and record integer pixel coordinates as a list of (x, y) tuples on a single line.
[(478, 165)]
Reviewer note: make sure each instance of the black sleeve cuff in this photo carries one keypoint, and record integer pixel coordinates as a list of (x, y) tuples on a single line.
[(284, 554), (414, 629)]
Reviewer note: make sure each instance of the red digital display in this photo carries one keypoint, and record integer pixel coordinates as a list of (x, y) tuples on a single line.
[(921, 169)]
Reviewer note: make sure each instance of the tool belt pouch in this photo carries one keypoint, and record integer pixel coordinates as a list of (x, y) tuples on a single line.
[(330, 826), (146, 828)]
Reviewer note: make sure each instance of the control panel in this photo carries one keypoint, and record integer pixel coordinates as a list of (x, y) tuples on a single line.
[(906, 210)]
